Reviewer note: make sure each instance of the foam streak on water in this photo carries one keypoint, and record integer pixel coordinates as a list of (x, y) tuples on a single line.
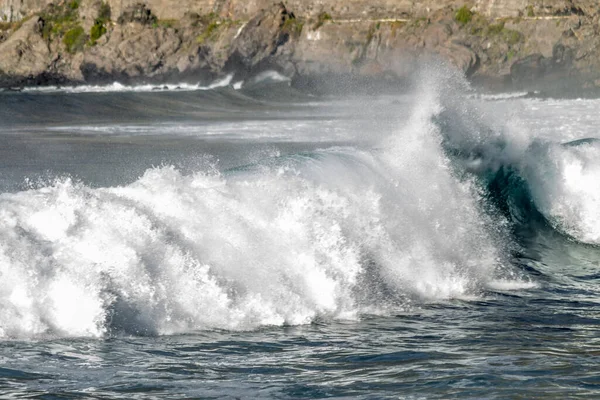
[(119, 87)]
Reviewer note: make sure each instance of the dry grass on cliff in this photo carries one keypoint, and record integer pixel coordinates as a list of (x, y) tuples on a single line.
[(293, 26), (321, 19), (14, 25), (481, 26), (208, 33)]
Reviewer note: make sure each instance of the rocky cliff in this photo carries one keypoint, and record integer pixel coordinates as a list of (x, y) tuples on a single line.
[(507, 42)]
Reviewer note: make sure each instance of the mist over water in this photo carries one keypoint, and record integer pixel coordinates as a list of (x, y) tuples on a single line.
[(422, 232), (320, 235)]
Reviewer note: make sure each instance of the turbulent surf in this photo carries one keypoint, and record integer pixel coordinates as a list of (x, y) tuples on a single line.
[(239, 207)]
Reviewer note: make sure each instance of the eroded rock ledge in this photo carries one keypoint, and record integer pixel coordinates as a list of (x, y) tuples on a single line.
[(81, 41)]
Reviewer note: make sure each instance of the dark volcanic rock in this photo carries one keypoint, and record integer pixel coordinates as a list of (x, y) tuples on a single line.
[(257, 45), (25, 54), (304, 42), (137, 13), (529, 69), (534, 68)]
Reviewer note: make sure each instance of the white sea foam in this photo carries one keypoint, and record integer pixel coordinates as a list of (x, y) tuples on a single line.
[(501, 96), (269, 76), (324, 235), (510, 285), (563, 179), (289, 130), (566, 189), (119, 87), (226, 81)]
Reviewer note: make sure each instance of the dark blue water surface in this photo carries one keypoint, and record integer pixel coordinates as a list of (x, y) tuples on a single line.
[(504, 347)]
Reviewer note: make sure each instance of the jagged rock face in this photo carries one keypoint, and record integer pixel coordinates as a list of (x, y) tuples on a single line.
[(390, 48), (131, 51), (139, 13), (135, 50), (258, 42), (139, 45), (330, 49), (535, 67), (12, 10), (140, 48), (25, 54), (531, 8), (165, 9)]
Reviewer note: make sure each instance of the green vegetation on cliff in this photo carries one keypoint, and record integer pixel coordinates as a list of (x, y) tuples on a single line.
[(321, 19), (208, 32), (97, 31), (59, 19), (530, 12), (74, 39), (481, 27), (165, 23), (212, 25), (13, 26), (99, 27), (463, 15), (293, 26)]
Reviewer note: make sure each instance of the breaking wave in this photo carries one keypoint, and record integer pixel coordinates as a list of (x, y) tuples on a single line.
[(430, 212), (266, 77), (329, 234), (119, 87)]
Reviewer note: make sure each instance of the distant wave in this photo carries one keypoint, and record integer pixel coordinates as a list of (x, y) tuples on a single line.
[(503, 96), (118, 87), (265, 77)]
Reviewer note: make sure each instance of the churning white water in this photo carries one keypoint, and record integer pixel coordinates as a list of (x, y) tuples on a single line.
[(386, 224), (565, 186), (327, 234)]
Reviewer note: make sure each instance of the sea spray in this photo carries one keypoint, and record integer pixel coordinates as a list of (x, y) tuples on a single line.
[(393, 247), (328, 234), (564, 184), (536, 175)]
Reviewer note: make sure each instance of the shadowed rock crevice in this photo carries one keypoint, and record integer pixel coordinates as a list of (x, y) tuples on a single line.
[(260, 45)]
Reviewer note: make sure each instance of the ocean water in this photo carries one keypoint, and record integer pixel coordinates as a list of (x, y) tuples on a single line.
[(243, 240)]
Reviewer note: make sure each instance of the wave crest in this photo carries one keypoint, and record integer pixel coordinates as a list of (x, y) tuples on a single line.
[(290, 240)]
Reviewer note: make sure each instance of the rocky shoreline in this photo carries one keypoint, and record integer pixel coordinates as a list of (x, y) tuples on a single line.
[(84, 42)]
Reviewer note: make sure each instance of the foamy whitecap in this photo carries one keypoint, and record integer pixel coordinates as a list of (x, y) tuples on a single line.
[(565, 186), (329, 234), (323, 237), (119, 87), (502, 96), (225, 81)]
